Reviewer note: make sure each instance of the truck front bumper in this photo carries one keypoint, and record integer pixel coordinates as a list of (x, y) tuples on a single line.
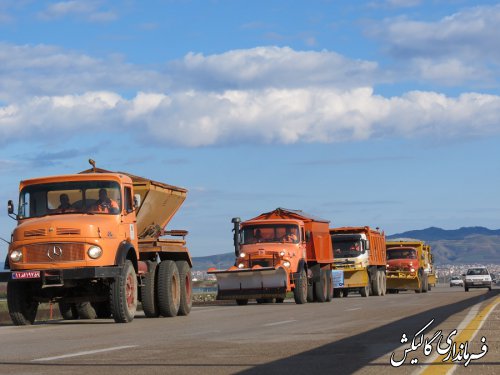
[(57, 276)]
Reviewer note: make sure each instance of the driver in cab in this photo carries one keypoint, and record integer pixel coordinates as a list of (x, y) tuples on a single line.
[(105, 204)]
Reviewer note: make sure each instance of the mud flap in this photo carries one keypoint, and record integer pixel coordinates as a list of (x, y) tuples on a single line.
[(265, 282)]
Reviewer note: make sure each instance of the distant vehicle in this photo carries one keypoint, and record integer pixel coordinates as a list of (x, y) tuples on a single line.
[(456, 281), (478, 277)]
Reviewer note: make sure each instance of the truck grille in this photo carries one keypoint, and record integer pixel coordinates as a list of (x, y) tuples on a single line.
[(67, 231), (35, 233), (54, 252)]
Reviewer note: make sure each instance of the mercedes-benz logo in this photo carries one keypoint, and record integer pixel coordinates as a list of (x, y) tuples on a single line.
[(54, 252)]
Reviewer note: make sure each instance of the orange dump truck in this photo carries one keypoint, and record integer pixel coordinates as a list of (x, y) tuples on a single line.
[(360, 254), (95, 242), (278, 252), (409, 266)]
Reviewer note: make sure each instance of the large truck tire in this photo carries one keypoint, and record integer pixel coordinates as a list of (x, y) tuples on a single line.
[(321, 287), (310, 291), (365, 291), (85, 310), (123, 294), (329, 286), (149, 292), (186, 287), (300, 291), (242, 302), (22, 306), (345, 292), (376, 284), (384, 283), (420, 282), (68, 311), (169, 293), (425, 285), (279, 300), (337, 293)]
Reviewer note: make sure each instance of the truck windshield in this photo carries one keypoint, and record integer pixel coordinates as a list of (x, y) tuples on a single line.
[(270, 233), (346, 247), (401, 254), (95, 197)]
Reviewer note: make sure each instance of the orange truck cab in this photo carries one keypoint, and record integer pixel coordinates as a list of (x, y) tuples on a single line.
[(94, 242), (278, 252), (360, 256), (409, 266)]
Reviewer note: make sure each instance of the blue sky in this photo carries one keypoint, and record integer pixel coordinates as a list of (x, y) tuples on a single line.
[(380, 113)]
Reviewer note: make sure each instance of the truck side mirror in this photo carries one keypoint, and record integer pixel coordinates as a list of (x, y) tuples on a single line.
[(137, 200), (10, 207)]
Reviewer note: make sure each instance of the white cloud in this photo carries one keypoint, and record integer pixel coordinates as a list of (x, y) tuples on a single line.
[(461, 45), (274, 67), (196, 118), (88, 9)]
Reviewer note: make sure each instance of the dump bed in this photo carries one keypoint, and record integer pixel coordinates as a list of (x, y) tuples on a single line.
[(319, 248), (377, 252), (158, 203)]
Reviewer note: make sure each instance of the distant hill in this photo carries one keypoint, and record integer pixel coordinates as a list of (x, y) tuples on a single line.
[(461, 246), (220, 261), (436, 234)]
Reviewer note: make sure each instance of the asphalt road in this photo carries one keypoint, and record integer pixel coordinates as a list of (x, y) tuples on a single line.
[(348, 335)]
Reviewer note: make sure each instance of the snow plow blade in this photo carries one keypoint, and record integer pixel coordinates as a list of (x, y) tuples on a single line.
[(265, 282), (399, 283)]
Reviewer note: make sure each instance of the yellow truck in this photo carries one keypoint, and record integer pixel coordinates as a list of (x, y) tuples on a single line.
[(95, 243), (409, 266), (359, 254)]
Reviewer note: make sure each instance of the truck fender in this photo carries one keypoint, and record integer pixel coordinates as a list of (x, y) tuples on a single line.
[(301, 266), (125, 252)]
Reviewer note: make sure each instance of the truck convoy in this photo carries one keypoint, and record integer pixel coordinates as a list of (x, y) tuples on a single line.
[(409, 266), (277, 252), (95, 242), (359, 253)]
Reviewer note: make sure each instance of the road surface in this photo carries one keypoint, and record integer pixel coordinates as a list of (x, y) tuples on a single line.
[(348, 335)]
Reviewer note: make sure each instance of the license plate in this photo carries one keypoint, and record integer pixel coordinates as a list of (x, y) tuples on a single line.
[(477, 282), (19, 275)]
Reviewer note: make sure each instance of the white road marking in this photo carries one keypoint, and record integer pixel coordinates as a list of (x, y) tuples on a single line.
[(278, 323), (357, 308), (84, 353)]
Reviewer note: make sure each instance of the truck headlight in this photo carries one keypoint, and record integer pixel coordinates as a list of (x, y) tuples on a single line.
[(94, 252), (412, 270), (241, 265), (286, 264), (16, 255), (282, 253), (242, 255)]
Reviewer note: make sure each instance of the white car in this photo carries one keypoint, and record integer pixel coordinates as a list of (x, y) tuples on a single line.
[(456, 281), (477, 278)]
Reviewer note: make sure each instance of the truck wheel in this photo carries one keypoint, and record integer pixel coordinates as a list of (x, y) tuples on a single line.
[(384, 282), (321, 287), (169, 293), (377, 288), (102, 309), (425, 285), (336, 293), (466, 289), (242, 302), (85, 310), (345, 292), (68, 311), (429, 287), (123, 294), (149, 292), (22, 306), (186, 287), (280, 300), (365, 291), (300, 292), (310, 291), (329, 286)]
